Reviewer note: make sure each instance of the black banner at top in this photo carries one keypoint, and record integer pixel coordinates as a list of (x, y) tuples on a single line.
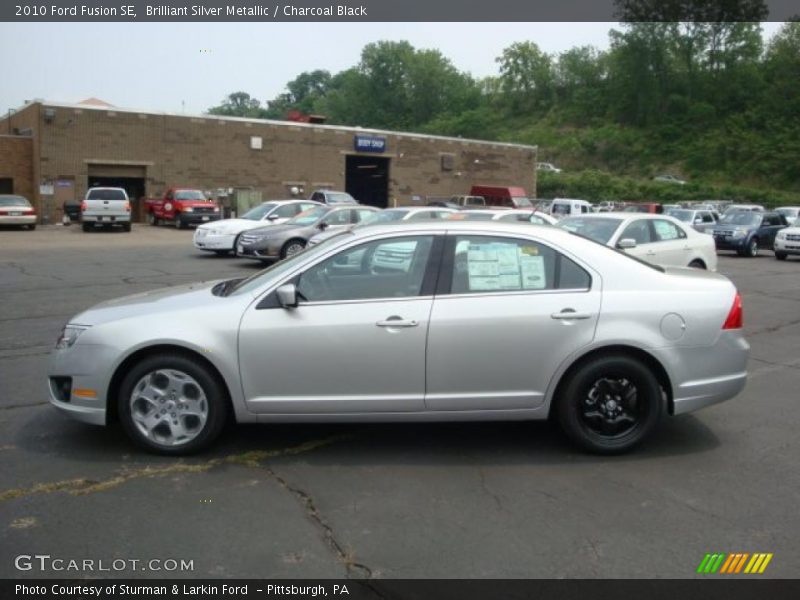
[(395, 10)]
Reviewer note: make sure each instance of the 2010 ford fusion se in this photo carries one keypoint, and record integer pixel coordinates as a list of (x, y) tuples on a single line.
[(419, 322)]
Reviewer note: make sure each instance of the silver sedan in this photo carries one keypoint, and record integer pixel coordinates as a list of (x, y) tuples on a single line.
[(474, 321)]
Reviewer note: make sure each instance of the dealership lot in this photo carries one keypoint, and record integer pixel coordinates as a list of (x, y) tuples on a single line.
[(454, 500)]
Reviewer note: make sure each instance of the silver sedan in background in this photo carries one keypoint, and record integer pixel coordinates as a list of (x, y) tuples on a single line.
[(477, 321)]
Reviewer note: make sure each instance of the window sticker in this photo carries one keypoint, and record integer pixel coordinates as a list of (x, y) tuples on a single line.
[(505, 266), (665, 230)]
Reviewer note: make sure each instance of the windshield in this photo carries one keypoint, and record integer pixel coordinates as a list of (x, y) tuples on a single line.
[(560, 208), (788, 212), (521, 201), (743, 217), (310, 216), (599, 230), (339, 198), (106, 194), (277, 269), (13, 201), (190, 195), (682, 215), (259, 212)]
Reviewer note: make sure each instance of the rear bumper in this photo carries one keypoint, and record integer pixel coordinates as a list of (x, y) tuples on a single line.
[(709, 375), (105, 219), (21, 220)]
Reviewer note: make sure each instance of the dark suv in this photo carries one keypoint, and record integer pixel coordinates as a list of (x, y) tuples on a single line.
[(746, 231)]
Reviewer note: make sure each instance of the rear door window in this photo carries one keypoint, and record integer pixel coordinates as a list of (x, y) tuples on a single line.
[(639, 231)]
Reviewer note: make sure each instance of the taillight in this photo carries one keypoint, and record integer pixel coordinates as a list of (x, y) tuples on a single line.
[(736, 314), (83, 206), (128, 206)]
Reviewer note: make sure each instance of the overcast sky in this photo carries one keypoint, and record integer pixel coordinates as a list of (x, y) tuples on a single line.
[(191, 67)]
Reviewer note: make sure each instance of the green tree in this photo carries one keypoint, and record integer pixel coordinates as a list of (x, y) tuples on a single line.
[(238, 104), (527, 77)]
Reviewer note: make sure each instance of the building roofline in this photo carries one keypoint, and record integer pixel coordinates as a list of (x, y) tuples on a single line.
[(346, 128)]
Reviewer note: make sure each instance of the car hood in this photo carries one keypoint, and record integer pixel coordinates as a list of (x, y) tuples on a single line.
[(731, 227), (155, 301), (232, 225)]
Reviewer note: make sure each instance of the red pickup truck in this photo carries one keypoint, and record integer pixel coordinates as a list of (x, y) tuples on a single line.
[(181, 207)]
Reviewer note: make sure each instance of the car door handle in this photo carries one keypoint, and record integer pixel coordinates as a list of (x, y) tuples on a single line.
[(569, 314), (396, 322)]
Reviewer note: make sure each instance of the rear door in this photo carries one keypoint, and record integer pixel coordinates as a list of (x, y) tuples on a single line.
[(670, 243), (507, 312)]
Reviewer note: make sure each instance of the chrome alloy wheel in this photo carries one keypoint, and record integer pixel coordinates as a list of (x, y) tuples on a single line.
[(294, 248), (610, 408), (169, 407)]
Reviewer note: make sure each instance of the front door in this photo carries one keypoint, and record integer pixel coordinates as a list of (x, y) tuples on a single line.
[(508, 313), (354, 344)]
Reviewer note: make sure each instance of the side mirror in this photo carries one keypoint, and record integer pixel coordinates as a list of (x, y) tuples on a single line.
[(272, 217), (626, 243), (287, 295), (323, 226)]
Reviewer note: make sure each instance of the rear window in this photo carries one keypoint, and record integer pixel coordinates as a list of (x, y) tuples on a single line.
[(106, 194), (14, 201)]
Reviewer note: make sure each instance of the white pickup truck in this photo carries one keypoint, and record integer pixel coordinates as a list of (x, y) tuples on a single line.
[(105, 207)]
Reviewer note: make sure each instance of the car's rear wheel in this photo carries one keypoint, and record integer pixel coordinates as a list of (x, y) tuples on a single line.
[(697, 264), (171, 404), (610, 404), (152, 219), (86, 226), (126, 227), (781, 255), (292, 247)]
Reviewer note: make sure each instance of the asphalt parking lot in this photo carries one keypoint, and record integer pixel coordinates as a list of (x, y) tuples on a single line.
[(505, 500)]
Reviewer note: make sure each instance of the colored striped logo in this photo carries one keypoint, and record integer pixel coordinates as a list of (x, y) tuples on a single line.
[(735, 563)]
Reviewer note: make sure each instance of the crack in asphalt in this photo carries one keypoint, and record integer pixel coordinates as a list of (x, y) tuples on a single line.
[(795, 365), (773, 328), (32, 404), (23, 270), (353, 568), (81, 485), (497, 500)]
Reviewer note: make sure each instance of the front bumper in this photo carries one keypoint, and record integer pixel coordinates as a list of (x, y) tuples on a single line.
[(259, 251), (787, 246), (730, 243), (197, 218), (88, 368), (203, 240)]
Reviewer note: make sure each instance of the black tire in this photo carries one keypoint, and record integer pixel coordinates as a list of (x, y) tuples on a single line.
[(752, 248), (178, 223), (222, 252), (152, 219), (86, 226), (31, 227), (215, 394), (595, 418), (697, 264), (290, 247), (126, 227), (781, 255)]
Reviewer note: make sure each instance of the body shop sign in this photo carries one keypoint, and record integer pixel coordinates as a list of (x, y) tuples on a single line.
[(369, 143)]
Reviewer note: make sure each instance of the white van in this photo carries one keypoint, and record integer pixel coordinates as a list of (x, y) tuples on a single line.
[(567, 207)]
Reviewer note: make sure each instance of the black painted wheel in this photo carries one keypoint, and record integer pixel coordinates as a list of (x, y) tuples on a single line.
[(610, 404)]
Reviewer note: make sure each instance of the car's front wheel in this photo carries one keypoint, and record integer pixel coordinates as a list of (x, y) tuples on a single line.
[(610, 404), (171, 404), (752, 248), (780, 255), (292, 247)]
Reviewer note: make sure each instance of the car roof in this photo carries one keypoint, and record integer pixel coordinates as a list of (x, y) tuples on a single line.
[(290, 200)]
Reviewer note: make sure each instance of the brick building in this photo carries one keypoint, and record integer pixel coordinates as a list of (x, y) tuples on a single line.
[(56, 151)]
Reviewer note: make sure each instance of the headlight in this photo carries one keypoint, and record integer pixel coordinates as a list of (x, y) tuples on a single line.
[(188, 209), (216, 209), (781, 235), (69, 336), (738, 233)]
